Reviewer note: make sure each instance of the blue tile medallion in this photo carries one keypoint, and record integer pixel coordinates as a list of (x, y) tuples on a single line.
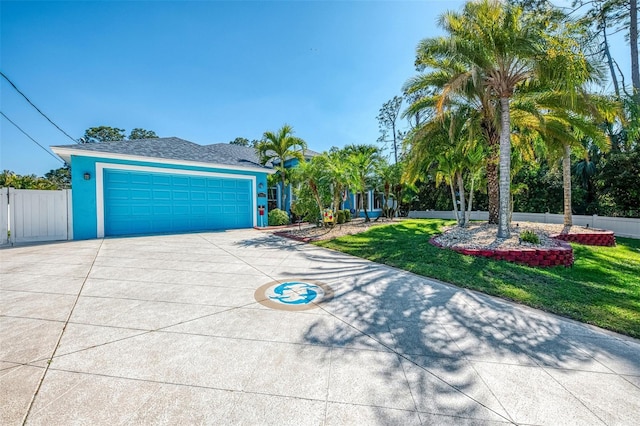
[(293, 295)]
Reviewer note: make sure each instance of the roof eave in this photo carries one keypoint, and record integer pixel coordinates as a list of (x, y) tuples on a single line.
[(66, 153)]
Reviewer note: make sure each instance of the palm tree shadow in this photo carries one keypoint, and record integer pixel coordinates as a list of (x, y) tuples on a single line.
[(428, 337)]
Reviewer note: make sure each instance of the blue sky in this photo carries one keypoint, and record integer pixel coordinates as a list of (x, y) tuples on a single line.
[(205, 71)]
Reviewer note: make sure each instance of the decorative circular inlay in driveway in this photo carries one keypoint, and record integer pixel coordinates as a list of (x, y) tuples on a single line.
[(293, 295)]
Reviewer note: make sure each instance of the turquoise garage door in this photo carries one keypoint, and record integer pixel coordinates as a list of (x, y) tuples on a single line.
[(143, 203)]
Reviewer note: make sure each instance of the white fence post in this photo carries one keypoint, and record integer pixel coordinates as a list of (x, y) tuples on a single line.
[(12, 215), (4, 215), (69, 215)]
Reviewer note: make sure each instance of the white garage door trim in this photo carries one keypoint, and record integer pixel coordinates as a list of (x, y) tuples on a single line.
[(100, 185)]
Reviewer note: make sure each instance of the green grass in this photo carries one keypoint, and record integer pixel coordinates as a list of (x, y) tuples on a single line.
[(602, 287)]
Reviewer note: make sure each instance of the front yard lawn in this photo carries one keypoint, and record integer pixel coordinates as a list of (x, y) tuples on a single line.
[(602, 288)]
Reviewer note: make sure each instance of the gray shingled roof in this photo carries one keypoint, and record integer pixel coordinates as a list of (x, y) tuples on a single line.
[(177, 149)]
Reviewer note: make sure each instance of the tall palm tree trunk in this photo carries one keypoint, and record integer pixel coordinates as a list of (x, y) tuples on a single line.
[(453, 199), (364, 207), (505, 169), (493, 185), (633, 41), (463, 208), (467, 215), (566, 184), (316, 195), (493, 188), (283, 196)]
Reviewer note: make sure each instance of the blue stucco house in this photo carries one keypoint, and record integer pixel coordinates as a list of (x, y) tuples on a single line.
[(163, 185)]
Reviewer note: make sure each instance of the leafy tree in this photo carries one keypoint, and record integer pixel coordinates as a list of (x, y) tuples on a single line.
[(362, 163), (103, 134), (60, 177), (279, 147), (507, 48), (139, 133), (448, 146), (114, 134), (452, 81), (240, 141), (390, 184), (611, 16), (310, 184), (387, 123), (336, 169), (619, 182), (12, 180)]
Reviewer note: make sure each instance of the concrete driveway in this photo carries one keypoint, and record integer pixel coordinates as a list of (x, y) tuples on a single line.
[(168, 330)]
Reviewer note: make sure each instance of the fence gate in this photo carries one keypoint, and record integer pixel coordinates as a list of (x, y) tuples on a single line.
[(4, 215), (35, 215)]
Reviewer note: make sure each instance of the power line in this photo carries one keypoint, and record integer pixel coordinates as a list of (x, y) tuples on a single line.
[(37, 109), (27, 135)]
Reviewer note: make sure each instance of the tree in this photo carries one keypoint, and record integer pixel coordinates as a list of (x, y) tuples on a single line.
[(447, 145), (279, 147), (240, 141), (387, 120), (103, 134), (60, 177), (615, 15), (310, 179), (12, 180), (114, 134), (362, 162), (139, 133), (451, 80), (507, 48)]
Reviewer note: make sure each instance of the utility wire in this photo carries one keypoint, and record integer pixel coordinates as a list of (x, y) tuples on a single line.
[(37, 109), (27, 135)]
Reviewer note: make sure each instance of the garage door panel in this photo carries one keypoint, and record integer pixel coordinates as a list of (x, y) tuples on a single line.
[(159, 179), (140, 179), (141, 210), (180, 181), (161, 194), (140, 194), (198, 182), (161, 210), (198, 195), (140, 202)]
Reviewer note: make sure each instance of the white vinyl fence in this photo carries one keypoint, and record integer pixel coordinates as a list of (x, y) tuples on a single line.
[(28, 215), (622, 227)]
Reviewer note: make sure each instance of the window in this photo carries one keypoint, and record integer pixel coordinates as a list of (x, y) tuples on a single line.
[(272, 198), (378, 201), (359, 204)]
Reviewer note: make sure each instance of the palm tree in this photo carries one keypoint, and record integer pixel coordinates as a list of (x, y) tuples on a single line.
[(278, 147), (362, 160), (312, 175), (502, 47), (448, 142), (564, 124), (453, 82), (336, 169)]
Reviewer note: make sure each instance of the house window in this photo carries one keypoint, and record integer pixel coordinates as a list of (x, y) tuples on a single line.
[(272, 198), (378, 201), (359, 201)]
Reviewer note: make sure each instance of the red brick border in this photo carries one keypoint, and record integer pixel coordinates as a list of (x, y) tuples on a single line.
[(603, 238), (556, 256)]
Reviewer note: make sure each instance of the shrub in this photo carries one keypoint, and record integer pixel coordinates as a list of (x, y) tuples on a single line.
[(278, 217), (529, 237), (341, 216), (347, 215)]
